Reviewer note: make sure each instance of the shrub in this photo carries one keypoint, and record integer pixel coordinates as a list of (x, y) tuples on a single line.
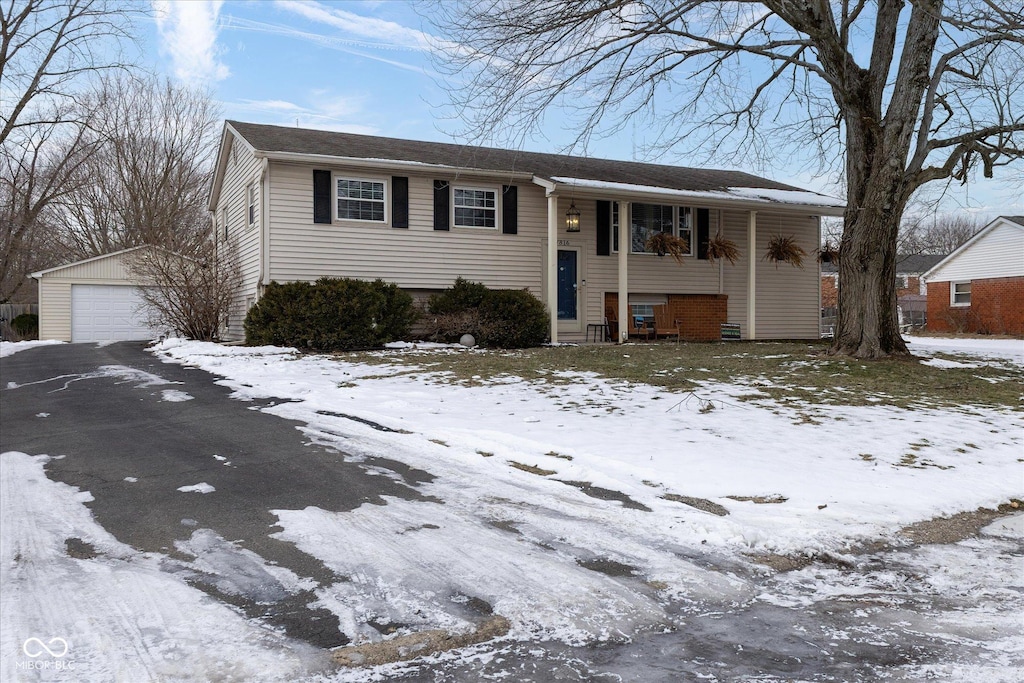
[(26, 325), (512, 319), (331, 314), (501, 318), (449, 327), (463, 296)]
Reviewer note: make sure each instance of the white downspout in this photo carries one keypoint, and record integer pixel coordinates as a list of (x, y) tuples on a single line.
[(625, 246), (752, 275), (552, 279), (264, 240)]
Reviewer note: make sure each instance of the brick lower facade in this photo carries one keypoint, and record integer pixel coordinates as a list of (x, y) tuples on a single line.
[(997, 307), (702, 314)]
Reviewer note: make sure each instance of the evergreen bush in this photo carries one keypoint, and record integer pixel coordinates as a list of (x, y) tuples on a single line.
[(512, 319), (332, 314), (26, 325)]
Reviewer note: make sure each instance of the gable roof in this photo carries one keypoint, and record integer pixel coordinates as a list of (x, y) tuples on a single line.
[(629, 176), (1012, 221)]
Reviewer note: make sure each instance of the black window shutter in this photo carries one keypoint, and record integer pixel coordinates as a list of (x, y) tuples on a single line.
[(510, 209), (442, 205), (399, 202), (703, 232), (322, 197), (604, 228)]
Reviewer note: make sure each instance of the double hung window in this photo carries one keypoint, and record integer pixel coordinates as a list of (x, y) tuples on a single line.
[(475, 208), (960, 293), (360, 200)]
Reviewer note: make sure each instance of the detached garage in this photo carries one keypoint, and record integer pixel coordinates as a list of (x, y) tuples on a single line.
[(94, 300)]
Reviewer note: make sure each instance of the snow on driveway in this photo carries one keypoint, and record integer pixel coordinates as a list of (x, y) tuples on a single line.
[(120, 615)]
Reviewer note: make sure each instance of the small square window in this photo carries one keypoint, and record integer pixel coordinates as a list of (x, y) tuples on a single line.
[(960, 294)]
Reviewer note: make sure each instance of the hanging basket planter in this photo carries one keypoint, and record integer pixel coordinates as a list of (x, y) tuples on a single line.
[(828, 253), (784, 250), (720, 248), (662, 243)]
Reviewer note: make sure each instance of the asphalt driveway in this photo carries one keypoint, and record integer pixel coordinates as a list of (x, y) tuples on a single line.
[(133, 430)]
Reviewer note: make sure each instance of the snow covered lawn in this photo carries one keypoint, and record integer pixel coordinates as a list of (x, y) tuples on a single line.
[(581, 508)]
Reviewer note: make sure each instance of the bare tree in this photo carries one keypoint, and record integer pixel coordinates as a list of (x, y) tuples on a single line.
[(938, 234), (147, 180), (49, 51), (900, 93), (190, 295)]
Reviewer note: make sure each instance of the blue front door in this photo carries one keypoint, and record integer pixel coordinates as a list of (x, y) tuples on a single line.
[(567, 284)]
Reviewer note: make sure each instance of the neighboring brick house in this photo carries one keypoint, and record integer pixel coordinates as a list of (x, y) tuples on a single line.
[(910, 287), (980, 286)]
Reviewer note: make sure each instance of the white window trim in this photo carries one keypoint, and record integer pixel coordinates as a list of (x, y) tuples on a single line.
[(676, 210), (251, 208), (487, 188), (224, 223), (953, 303), (335, 177)]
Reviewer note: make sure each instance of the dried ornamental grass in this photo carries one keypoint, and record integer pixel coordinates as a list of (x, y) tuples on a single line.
[(662, 243), (721, 248), (828, 253), (785, 250)]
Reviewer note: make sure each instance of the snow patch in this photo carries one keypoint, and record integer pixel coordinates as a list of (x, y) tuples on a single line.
[(201, 487), (175, 396)]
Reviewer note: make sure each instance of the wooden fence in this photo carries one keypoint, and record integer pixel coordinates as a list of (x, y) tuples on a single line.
[(10, 311)]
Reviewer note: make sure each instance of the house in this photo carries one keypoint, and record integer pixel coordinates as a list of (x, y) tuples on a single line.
[(96, 299), (980, 286), (299, 204), (911, 293)]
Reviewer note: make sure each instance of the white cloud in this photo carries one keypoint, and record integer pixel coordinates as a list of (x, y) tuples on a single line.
[(188, 33), (388, 33), (328, 114)]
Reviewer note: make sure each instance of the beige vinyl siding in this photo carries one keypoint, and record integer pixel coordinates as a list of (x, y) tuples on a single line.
[(54, 309), (998, 253), (788, 304), (417, 257), (243, 169), (734, 227)]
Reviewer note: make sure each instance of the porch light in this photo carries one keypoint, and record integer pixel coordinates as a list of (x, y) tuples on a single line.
[(572, 218)]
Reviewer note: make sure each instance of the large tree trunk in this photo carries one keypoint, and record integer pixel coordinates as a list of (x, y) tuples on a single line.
[(877, 195), (868, 326)]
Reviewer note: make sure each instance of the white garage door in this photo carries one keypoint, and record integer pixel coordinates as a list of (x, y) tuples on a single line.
[(108, 313)]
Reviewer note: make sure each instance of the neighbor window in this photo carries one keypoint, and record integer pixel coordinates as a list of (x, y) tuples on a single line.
[(475, 208), (360, 200), (960, 293), (252, 205), (224, 221), (901, 282), (649, 219)]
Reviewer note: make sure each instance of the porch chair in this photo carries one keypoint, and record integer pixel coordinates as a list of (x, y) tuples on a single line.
[(612, 319), (639, 326), (665, 326)]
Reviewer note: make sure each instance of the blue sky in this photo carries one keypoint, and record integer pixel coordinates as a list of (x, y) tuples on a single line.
[(364, 66)]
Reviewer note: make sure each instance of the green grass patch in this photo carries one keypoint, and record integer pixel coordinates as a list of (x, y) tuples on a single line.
[(789, 372)]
